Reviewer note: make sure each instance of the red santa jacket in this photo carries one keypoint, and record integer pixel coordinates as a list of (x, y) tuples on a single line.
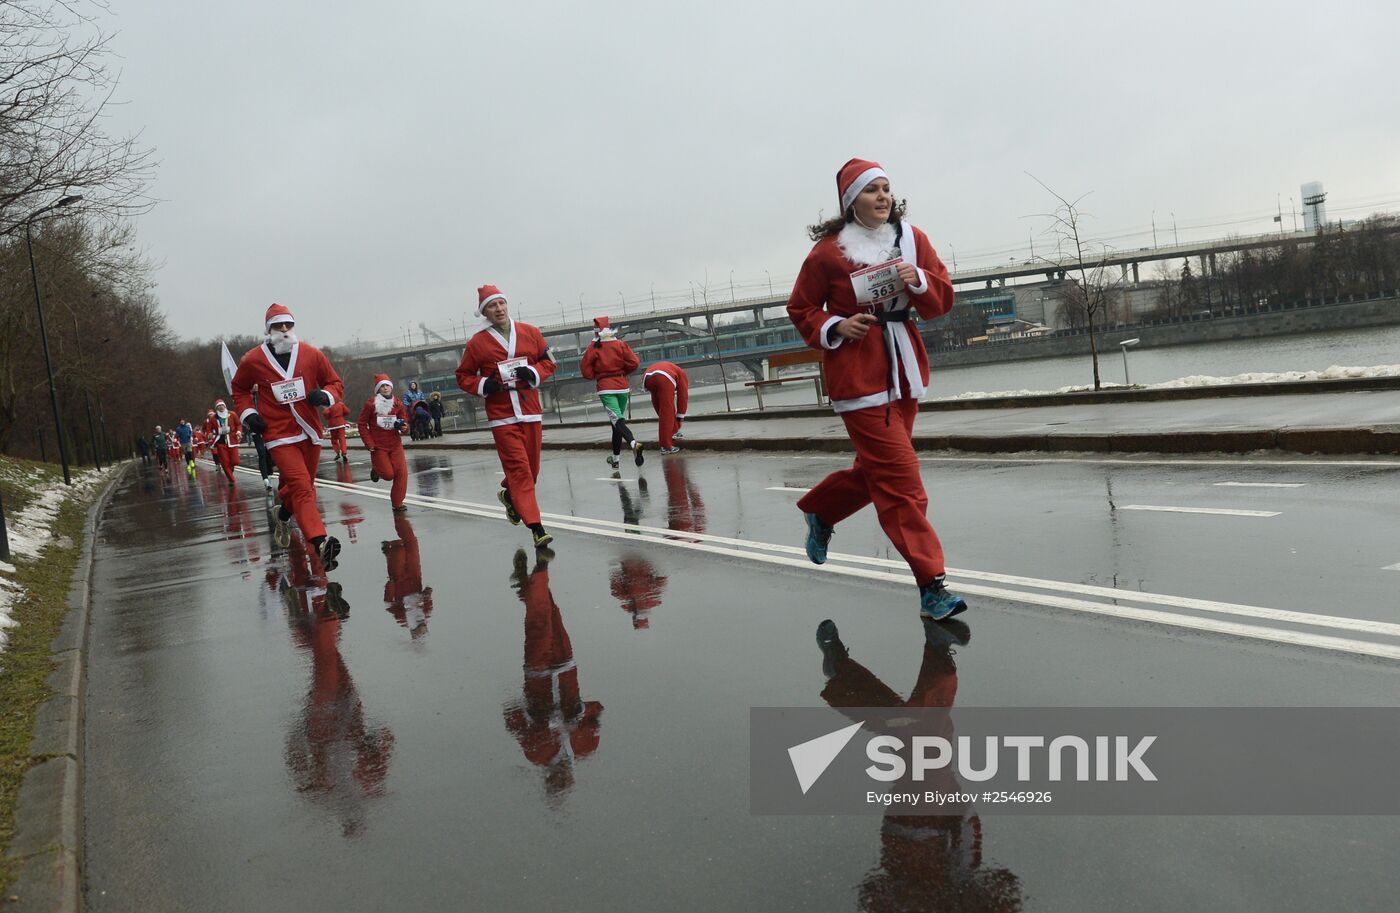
[(485, 351), (216, 432), (680, 384), (373, 433), (337, 416), (890, 362), (283, 392), (609, 364)]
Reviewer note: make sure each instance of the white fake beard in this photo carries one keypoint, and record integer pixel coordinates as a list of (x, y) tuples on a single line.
[(383, 405), (282, 342), (865, 247)]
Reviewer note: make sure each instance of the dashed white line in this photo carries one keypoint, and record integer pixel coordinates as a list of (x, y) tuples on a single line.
[(1391, 567), (787, 488), (1215, 511), (1259, 484)]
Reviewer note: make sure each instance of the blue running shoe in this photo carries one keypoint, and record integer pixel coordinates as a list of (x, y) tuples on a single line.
[(818, 535), (937, 603)]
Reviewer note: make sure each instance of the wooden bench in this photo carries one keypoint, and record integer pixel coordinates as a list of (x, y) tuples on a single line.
[(788, 359)]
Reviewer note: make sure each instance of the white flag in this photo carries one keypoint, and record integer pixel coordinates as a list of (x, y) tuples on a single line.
[(229, 365)]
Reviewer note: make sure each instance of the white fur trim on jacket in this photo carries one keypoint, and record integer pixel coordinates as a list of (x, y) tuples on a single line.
[(826, 333)]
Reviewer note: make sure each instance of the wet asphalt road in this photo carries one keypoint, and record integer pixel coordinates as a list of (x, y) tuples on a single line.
[(443, 726)]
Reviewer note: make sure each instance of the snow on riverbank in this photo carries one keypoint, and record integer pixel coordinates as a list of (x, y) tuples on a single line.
[(31, 531), (1336, 372)]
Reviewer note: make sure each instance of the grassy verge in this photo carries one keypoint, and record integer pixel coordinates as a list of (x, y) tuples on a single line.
[(19, 479), (24, 663)]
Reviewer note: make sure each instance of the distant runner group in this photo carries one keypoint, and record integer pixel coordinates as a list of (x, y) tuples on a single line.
[(869, 275)]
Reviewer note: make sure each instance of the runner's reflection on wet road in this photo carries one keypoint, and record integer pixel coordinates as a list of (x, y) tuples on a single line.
[(404, 594), (336, 759), (555, 727), (927, 862)]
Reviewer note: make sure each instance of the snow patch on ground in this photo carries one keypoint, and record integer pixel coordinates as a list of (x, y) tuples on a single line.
[(1336, 372), (31, 531)]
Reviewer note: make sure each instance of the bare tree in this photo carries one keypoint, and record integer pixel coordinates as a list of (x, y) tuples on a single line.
[(1091, 295), (54, 91)]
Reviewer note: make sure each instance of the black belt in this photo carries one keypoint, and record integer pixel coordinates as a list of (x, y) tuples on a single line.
[(899, 316)]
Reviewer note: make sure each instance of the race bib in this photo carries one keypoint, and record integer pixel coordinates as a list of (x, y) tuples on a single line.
[(507, 367), (386, 421), (289, 391), (877, 284)]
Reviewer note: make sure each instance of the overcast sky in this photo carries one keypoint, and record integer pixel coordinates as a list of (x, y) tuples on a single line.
[(369, 165)]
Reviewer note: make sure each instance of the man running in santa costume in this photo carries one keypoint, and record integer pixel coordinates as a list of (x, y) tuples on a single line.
[(219, 428), (382, 422), (337, 423), (670, 396), (608, 362), (293, 379), (505, 363), (852, 301)]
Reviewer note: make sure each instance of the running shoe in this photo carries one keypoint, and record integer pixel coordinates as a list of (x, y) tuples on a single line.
[(818, 536), (511, 513)]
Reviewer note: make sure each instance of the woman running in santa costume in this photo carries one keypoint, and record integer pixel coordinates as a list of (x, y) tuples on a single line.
[(608, 362), (293, 379), (505, 363), (670, 395), (382, 422), (852, 300)]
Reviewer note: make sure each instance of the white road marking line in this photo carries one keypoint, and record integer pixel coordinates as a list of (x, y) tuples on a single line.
[(1243, 461), (1215, 511), (1391, 567), (754, 551), (1259, 484), (786, 488), (617, 481)]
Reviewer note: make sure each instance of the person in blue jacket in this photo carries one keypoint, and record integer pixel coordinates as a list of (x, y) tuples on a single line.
[(185, 433), (411, 396)]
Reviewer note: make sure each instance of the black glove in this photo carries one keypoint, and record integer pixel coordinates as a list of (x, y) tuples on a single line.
[(491, 386), (255, 423), (319, 398), (524, 377), (400, 424)]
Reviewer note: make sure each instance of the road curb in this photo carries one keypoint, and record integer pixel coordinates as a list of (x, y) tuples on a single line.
[(48, 838), (1378, 439)]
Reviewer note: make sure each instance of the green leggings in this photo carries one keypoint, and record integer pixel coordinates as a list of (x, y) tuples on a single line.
[(616, 404)]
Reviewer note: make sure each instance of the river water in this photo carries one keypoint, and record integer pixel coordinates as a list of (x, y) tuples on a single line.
[(1304, 352)]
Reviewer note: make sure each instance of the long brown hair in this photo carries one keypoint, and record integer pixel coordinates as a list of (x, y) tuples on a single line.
[(832, 226)]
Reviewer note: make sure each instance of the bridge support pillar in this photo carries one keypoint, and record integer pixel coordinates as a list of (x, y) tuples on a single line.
[(1136, 279), (758, 316)]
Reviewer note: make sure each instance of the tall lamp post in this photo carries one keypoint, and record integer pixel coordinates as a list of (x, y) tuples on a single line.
[(1126, 345), (43, 328)]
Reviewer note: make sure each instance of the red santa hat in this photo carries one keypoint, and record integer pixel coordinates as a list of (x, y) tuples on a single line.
[(485, 295), (277, 314), (380, 380), (853, 178), (218, 403), (602, 329)]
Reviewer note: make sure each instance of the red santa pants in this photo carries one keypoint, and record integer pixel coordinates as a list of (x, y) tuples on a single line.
[(296, 484), (390, 465), (338, 442), (227, 458), (518, 446), (663, 400), (885, 471)]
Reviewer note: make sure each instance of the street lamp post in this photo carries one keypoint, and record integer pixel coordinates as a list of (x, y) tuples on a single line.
[(87, 403), (624, 304), (731, 286), (44, 331), (1126, 345), (770, 282)]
